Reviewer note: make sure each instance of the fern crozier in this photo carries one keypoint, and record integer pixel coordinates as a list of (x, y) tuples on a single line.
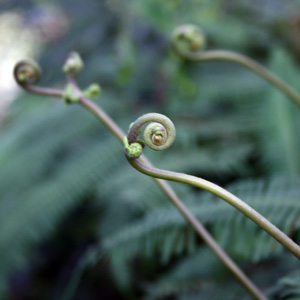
[(158, 135), (188, 38), (73, 64), (27, 72)]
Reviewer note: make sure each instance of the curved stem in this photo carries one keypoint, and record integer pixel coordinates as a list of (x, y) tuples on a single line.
[(210, 241), (103, 117), (246, 62), (166, 188), (42, 90), (223, 194)]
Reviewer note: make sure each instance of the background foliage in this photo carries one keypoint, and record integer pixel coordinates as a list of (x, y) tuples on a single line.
[(77, 222)]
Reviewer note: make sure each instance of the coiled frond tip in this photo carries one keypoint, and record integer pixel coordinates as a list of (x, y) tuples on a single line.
[(27, 72), (133, 150), (158, 135), (73, 64), (188, 38)]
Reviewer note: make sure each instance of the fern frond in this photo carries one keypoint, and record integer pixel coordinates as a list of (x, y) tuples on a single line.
[(280, 134), (277, 199), (289, 287), (29, 212)]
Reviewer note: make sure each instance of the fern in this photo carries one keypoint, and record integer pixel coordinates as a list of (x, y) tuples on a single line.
[(280, 140), (27, 219), (288, 287), (163, 231), (163, 228)]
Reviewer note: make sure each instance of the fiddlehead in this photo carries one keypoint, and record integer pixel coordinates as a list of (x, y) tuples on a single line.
[(131, 139), (158, 135), (189, 42), (27, 72), (188, 39), (73, 64)]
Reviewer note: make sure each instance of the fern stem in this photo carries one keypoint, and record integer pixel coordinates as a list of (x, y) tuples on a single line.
[(173, 197), (223, 194), (103, 117), (165, 187), (208, 239), (43, 91), (246, 62)]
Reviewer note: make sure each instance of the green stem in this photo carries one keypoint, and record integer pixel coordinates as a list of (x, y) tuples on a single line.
[(43, 90), (208, 239), (223, 194), (246, 62)]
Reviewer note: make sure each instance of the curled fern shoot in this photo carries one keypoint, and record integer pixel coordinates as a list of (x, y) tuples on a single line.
[(27, 73), (186, 40), (158, 135), (236, 202), (73, 64), (189, 38)]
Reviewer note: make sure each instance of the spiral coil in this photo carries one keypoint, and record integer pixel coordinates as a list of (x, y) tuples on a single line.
[(27, 72), (188, 39), (158, 135)]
